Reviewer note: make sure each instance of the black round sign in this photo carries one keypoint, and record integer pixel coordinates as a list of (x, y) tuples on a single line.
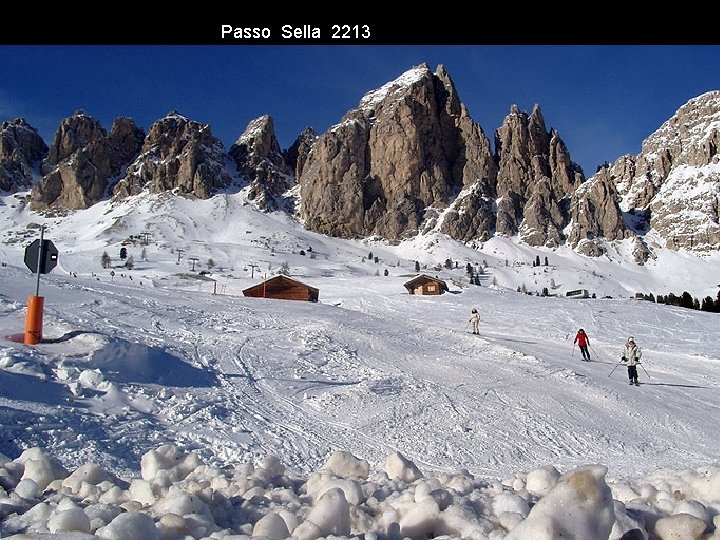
[(47, 256)]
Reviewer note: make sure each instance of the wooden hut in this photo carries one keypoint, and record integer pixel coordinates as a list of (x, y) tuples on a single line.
[(424, 284), (283, 288)]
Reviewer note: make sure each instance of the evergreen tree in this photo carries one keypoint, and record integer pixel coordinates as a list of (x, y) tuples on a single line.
[(448, 263), (130, 263), (105, 260), (386, 272), (417, 266), (143, 254), (210, 264), (537, 260), (686, 300), (370, 256), (546, 261)]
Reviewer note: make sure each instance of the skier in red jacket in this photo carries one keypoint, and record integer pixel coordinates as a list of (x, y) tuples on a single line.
[(583, 341)]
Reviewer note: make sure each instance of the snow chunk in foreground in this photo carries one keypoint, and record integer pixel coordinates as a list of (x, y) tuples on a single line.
[(181, 498), (131, 525), (580, 506), (397, 466)]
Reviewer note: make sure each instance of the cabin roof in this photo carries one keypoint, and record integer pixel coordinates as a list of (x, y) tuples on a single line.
[(280, 280)]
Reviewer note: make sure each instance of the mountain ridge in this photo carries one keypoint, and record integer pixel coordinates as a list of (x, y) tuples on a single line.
[(446, 177)]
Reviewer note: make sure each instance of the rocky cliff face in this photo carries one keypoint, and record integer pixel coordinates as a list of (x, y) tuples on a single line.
[(536, 179), (296, 155), (84, 160), (400, 155), (596, 214), (21, 151), (178, 155), (675, 180), (258, 159), (410, 159)]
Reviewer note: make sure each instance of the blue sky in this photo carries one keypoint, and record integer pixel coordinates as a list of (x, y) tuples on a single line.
[(604, 100)]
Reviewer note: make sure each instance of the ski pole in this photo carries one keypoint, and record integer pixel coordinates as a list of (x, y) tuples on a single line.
[(573, 353), (613, 369), (593, 350), (643, 368)]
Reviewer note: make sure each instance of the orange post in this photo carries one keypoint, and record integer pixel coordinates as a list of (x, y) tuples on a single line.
[(34, 320)]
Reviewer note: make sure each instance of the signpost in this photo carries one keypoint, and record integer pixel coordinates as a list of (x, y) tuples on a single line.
[(40, 257)]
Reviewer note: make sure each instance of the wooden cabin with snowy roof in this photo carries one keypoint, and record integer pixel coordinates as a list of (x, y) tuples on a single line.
[(424, 284), (283, 288)]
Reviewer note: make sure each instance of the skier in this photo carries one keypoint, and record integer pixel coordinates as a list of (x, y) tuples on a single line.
[(475, 321), (583, 341), (632, 354)]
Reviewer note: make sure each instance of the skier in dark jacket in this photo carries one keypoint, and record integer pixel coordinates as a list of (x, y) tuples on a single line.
[(583, 341)]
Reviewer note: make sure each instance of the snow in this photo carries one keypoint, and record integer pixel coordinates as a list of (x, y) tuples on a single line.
[(371, 99), (155, 408)]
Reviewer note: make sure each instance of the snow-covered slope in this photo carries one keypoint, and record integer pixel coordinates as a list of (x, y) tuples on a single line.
[(245, 244)]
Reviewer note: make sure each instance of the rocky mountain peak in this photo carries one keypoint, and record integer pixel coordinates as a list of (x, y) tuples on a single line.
[(21, 151), (178, 154), (259, 137), (74, 133), (394, 90), (260, 161), (535, 180), (406, 149), (20, 141), (84, 161), (675, 179)]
